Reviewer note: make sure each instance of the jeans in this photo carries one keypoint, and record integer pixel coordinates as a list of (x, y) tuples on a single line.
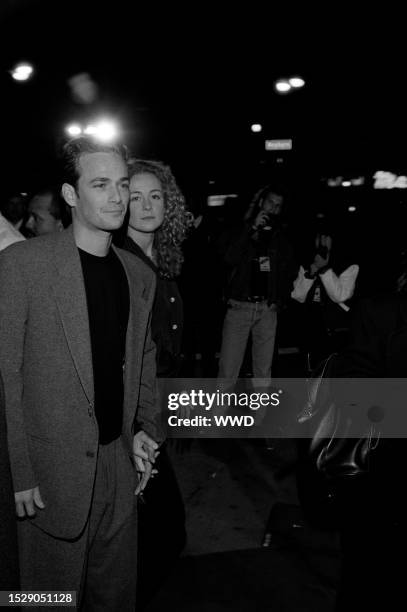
[(241, 319)]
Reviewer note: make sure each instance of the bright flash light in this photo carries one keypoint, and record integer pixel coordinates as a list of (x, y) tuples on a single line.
[(283, 86), (22, 72), (90, 130), (256, 127), (296, 82), (346, 184), (351, 208), (104, 130), (74, 130)]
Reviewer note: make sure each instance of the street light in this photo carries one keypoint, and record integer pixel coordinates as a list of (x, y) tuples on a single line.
[(22, 72), (106, 131), (296, 82), (74, 130), (282, 86), (103, 130), (256, 127), (285, 85)]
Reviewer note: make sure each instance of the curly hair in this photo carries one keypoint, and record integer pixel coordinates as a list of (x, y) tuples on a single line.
[(177, 220)]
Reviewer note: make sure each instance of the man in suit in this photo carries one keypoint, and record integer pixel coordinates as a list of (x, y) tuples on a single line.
[(79, 374)]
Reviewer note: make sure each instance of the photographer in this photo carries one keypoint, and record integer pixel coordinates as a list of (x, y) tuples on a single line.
[(260, 273), (324, 293)]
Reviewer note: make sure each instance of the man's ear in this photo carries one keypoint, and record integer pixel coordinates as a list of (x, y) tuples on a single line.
[(69, 194)]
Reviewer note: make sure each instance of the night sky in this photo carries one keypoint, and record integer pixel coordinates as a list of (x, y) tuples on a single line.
[(186, 84)]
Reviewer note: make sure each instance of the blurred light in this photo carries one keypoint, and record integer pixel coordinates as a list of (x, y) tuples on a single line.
[(90, 130), (83, 88), (346, 183), (104, 130), (74, 130), (388, 180), (22, 72), (335, 182), (296, 82), (285, 144), (256, 127), (358, 182), (282, 86), (351, 208), (219, 200)]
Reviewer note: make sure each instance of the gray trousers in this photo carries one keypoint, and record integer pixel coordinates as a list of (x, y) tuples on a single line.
[(100, 564)]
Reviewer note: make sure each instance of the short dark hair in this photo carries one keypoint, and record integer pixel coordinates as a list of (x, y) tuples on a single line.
[(74, 148), (57, 206), (14, 208)]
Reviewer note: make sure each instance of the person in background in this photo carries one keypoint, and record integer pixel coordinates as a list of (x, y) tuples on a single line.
[(261, 269), (47, 213), (324, 294), (12, 213), (14, 210), (158, 223)]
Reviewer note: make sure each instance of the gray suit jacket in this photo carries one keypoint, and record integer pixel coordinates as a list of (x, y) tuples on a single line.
[(46, 362), (8, 531)]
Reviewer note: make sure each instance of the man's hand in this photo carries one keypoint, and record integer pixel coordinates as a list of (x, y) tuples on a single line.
[(260, 220), (26, 502), (144, 453)]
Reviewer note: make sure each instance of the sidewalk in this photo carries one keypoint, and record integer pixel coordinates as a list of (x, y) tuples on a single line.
[(229, 487)]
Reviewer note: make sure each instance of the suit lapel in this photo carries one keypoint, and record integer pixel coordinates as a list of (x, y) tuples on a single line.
[(140, 306), (70, 296)]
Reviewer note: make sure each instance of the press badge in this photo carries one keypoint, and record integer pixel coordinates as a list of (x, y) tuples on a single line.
[(317, 294), (264, 263)]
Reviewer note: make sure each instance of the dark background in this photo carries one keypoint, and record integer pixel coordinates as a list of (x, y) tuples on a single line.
[(186, 82)]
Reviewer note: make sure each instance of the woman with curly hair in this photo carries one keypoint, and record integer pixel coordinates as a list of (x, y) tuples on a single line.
[(158, 223)]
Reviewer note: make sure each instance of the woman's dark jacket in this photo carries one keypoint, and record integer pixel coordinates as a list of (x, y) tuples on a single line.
[(167, 317)]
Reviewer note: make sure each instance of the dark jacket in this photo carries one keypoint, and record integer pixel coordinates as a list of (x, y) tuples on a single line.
[(167, 317), (239, 248), (378, 347)]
